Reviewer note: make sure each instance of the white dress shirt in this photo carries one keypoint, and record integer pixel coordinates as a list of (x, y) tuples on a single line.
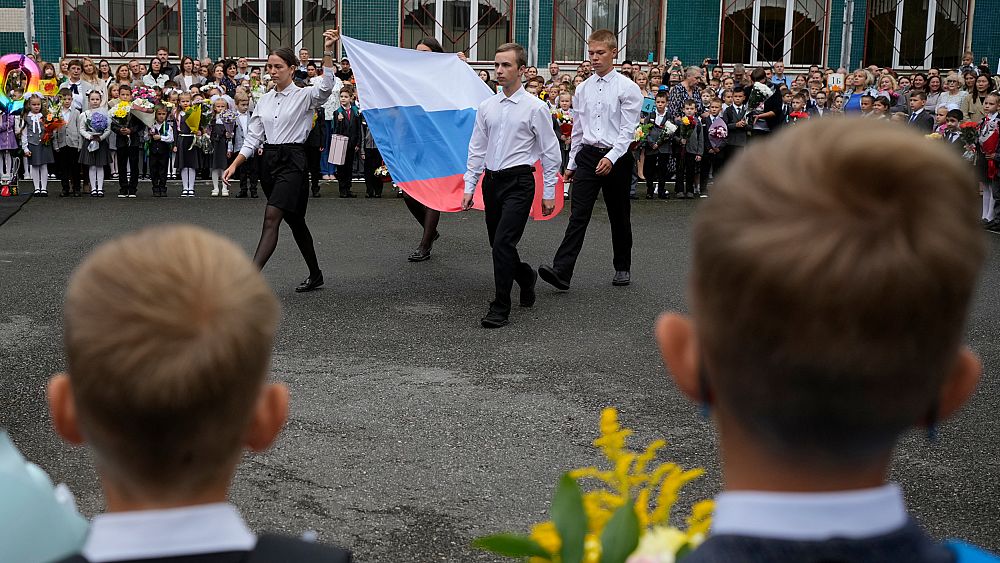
[(176, 532), (857, 514), (606, 113), (513, 131), (286, 116), (83, 89)]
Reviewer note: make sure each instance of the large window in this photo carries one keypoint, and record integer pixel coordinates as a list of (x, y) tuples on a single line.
[(130, 27), (255, 27), (770, 31), (915, 33), (475, 27), (637, 23)]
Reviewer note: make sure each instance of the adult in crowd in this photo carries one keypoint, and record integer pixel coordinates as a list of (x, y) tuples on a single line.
[(953, 95), (89, 73), (104, 75), (861, 84), (76, 84), (345, 73), (778, 76), (934, 90), (606, 112), (769, 117), (302, 70), (165, 66), (187, 76), (972, 105), (155, 77), (687, 89), (123, 75), (284, 118)]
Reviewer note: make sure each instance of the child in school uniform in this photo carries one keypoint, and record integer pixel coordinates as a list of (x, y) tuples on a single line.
[(689, 155), (160, 145), (248, 172), (988, 146), (129, 135), (808, 415), (188, 157), (658, 148), (205, 384), (222, 146), (38, 153), (712, 155), (94, 151), (10, 161), (67, 142), (348, 123)]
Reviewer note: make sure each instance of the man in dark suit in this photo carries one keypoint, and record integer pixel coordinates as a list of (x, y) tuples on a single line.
[(919, 116), (347, 123), (808, 414), (736, 118)]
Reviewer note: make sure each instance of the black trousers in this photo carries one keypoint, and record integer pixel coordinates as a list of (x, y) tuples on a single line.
[(373, 184), (158, 171), (709, 167), (507, 198), (345, 171), (249, 174), (687, 167), (129, 158), (729, 152), (656, 170), (313, 155), (68, 168), (586, 185)]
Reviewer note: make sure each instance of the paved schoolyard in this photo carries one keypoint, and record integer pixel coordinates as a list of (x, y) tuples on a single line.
[(413, 430)]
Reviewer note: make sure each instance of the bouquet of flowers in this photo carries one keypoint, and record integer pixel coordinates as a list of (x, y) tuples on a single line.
[(98, 123), (969, 135), (143, 110), (934, 136), (758, 94), (640, 135), (718, 132), (626, 519), (146, 93), (119, 115), (797, 116), (564, 120), (382, 172), (51, 121), (687, 125), (229, 118)]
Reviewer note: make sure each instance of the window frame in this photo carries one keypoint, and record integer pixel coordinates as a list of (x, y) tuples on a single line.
[(471, 45), (263, 33), (622, 15), (103, 30), (930, 33), (788, 39)]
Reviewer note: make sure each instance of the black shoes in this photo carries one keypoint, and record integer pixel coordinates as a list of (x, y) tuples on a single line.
[(419, 255), (316, 193), (347, 195), (528, 290), (621, 278), (242, 194), (993, 226), (552, 278), (253, 195), (311, 283), (494, 320)]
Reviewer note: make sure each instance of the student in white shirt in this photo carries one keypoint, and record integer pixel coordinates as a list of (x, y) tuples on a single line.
[(606, 112), (809, 413), (284, 116), (513, 130)]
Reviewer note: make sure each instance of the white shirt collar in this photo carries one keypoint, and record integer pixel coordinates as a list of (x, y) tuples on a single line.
[(515, 97), (854, 514), (290, 89), (607, 77), (208, 528)]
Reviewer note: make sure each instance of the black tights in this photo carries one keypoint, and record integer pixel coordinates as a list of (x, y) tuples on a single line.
[(427, 217), (269, 238)]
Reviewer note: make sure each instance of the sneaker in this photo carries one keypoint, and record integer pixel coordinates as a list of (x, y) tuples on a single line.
[(225, 192), (215, 192), (122, 195), (132, 195)]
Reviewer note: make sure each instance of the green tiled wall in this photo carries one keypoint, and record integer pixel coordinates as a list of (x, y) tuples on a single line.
[(375, 21), (189, 27), (48, 28), (544, 32), (693, 29), (522, 20), (858, 35), (11, 42), (986, 31), (214, 28)]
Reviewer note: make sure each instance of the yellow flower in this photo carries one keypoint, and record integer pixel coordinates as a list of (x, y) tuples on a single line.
[(546, 535), (659, 545), (591, 548)]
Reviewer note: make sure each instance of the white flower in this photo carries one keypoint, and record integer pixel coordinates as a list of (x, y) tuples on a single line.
[(659, 545), (669, 128), (763, 89)]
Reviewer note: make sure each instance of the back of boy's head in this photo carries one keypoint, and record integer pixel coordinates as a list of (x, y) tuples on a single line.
[(168, 336), (828, 313)]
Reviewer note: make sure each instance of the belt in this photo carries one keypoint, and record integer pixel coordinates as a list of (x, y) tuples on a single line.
[(271, 147), (510, 172), (597, 148)]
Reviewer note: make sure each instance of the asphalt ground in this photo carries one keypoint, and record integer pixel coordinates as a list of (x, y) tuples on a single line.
[(412, 429)]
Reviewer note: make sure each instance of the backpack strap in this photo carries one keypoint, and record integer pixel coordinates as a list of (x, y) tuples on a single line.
[(967, 553), (273, 548)]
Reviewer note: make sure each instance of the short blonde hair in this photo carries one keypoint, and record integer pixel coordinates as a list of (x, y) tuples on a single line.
[(605, 36), (168, 336), (829, 312)]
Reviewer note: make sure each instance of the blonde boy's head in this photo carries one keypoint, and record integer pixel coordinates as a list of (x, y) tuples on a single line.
[(168, 336), (829, 314)]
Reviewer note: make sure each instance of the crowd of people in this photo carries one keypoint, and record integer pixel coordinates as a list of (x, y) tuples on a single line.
[(729, 111)]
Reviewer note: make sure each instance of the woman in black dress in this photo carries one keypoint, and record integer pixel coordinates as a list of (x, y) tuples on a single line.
[(284, 117)]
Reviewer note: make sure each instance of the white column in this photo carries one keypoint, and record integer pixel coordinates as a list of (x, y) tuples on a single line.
[(622, 29), (533, 11), (105, 30), (786, 42), (473, 53), (438, 19), (297, 27), (931, 22), (262, 29), (589, 26), (897, 39), (755, 36), (141, 27)]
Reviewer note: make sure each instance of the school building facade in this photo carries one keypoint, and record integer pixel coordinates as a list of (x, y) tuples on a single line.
[(903, 34)]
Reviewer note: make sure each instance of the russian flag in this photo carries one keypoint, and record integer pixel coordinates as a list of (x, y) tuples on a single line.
[(421, 109)]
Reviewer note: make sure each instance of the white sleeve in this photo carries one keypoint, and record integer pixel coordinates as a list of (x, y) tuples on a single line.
[(576, 135), (631, 107), (254, 136), (477, 151), (548, 145)]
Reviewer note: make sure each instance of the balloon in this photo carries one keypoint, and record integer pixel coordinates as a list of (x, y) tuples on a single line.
[(12, 68)]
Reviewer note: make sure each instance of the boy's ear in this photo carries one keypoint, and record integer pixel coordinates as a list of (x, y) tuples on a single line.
[(678, 344), (268, 418), (63, 409), (960, 383)]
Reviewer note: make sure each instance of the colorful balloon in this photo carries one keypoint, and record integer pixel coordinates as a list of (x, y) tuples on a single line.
[(12, 68)]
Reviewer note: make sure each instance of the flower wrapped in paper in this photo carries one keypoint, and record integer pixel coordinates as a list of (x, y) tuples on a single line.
[(968, 135), (624, 519), (51, 122), (98, 123), (758, 95), (564, 120), (143, 110), (718, 132)]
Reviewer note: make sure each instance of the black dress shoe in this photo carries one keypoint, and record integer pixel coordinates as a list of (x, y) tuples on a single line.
[(316, 193), (419, 255), (63, 194), (494, 320), (621, 278), (552, 278), (528, 290), (310, 283), (993, 226), (253, 195), (242, 194)]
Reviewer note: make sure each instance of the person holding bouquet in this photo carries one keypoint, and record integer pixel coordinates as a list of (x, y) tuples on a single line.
[(161, 144), (189, 157), (9, 147), (248, 173), (94, 131), (562, 119), (691, 146), (129, 131), (66, 142), (989, 143), (658, 149), (715, 134), (37, 150), (220, 131)]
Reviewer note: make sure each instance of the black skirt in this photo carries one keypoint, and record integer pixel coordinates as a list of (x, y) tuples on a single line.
[(283, 177)]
